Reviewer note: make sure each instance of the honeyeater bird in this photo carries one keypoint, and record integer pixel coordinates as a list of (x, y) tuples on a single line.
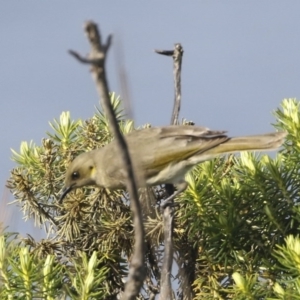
[(160, 155)]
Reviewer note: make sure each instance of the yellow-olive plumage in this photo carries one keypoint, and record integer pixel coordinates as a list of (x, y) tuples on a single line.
[(160, 155)]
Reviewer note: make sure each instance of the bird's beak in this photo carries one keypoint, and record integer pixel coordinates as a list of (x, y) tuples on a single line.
[(65, 191)]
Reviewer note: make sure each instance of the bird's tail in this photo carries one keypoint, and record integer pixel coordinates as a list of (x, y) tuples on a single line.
[(263, 142)]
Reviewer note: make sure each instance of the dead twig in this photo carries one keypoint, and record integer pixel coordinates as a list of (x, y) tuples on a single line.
[(168, 214), (177, 55), (96, 59)]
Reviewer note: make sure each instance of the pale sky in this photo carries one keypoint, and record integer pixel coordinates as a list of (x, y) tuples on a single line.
[(241, 59)]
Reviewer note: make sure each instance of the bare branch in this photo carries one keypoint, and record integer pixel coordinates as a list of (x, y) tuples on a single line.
[(168, 217), (177, 55), (165, 52), (97, 58), (82, 59), (186, 269), (166, 286), (177, 59)]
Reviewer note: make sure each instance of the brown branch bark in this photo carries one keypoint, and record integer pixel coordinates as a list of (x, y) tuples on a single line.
[(177, 55), (96, 59), (166, 291)]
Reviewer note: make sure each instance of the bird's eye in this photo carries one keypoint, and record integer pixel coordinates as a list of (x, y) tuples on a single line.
[(75, 175)]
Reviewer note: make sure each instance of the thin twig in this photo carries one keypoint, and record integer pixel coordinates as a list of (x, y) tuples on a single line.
[(177, 59), (96, 59), (168, 216), (177, 55), (166, 286)]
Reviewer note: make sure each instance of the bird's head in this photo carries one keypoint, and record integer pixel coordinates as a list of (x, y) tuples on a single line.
[(81, 172)]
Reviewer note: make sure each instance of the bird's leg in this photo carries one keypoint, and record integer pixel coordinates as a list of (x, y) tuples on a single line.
[(180, 188)]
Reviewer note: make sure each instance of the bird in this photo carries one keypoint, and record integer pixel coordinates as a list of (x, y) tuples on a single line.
[(160, 155)]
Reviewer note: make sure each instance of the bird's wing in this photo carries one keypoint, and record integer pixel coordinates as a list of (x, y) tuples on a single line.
[(162, 146)]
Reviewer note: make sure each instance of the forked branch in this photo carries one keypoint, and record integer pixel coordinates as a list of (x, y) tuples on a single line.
[(96, 59)]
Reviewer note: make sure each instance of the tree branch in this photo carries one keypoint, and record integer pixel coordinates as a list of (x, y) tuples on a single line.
[(177, 55), (96, 59), (168, 217)]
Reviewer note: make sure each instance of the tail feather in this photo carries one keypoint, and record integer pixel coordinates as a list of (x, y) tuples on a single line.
[(264, 142)]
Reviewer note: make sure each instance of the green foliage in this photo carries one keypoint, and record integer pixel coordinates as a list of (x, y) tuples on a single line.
[(91, 225), (236, 210), (27, 276), (236, 227)]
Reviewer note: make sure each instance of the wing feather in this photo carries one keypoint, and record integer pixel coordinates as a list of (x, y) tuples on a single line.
[(159, 147)]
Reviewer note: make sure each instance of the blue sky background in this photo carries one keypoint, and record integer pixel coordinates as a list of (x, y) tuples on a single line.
[(241, 59)]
